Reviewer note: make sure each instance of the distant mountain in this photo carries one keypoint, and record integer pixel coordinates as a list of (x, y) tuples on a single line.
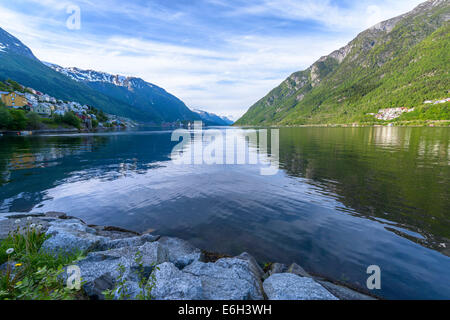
[(127, 97), (146, 97), (212, 119), (227, 119), (397, 63)]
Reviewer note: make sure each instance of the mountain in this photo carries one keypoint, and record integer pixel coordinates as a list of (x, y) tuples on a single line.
[(397, 63), (9, 43), (212, 119), (146, 97), (129, 97), (227, 120)]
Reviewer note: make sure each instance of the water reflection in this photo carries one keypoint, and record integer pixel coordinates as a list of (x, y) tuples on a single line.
[(25, 162), (344, 199), (390, 137), (403, 175)]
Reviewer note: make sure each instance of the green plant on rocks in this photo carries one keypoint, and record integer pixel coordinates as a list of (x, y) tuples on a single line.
[(146, 284), (31, 274)]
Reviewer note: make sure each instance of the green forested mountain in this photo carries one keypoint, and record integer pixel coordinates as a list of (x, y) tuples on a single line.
[(397, 63), (147, 98), (130, 97), (33, 73)]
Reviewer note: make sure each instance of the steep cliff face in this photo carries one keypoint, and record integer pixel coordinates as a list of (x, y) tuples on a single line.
[(398, 62)]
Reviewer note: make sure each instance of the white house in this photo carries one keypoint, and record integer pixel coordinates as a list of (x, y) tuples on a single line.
[(59, 112), (43, 109), (44, 98)]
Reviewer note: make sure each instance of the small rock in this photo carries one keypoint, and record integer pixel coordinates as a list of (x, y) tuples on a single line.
[(296, 269), (128, 242), (57, 215), (344, 293), (8, 226), (102, 265), (227, 279), (114, 233), (70, 236), (256, 268), (274, 269), (288, 286), (173, 284), (100, 284), (278, 268), (181, 253)]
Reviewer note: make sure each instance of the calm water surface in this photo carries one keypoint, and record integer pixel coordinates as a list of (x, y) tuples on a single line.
[(344, 198)]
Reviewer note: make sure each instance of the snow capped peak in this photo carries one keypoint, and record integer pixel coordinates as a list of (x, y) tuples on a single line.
[(199, 111), (81, 75)]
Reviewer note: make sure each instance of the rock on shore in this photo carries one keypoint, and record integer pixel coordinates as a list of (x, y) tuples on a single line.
[(178, 270)]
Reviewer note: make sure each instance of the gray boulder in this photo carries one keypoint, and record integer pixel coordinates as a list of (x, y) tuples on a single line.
[(255, 267), (288, 286), (227, 279), (114, 233), (70, 236), (11, 222), (278, 268), (275, 268), (100, 270), (344, 293), (296, 269), (56, 215), (181, 253), (98, 285), (6, 227), (128, 242), (173, 284)]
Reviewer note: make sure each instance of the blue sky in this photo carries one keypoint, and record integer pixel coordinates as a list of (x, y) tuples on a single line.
[(217, 55)]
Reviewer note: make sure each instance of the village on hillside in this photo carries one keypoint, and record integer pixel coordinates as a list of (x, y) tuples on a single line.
[(30, 100), (394, 113)]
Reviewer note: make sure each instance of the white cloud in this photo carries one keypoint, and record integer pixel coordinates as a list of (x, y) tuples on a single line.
[(360, 15), (227, 82), (225, 79)]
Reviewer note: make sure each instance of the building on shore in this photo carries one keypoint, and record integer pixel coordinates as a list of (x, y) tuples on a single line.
[(43, 109), (14, 99)]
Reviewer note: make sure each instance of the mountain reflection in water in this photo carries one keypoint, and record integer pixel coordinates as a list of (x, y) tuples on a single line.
[(344, 198)]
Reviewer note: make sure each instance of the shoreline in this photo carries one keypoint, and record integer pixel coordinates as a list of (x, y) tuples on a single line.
[(24, 133), (173, 257), (404, 124)]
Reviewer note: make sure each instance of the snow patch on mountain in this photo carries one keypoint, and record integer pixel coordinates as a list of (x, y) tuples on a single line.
[(81, 75), (10, 44)]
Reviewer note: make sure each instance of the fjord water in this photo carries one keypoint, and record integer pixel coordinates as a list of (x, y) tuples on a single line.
[(343, 199)]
